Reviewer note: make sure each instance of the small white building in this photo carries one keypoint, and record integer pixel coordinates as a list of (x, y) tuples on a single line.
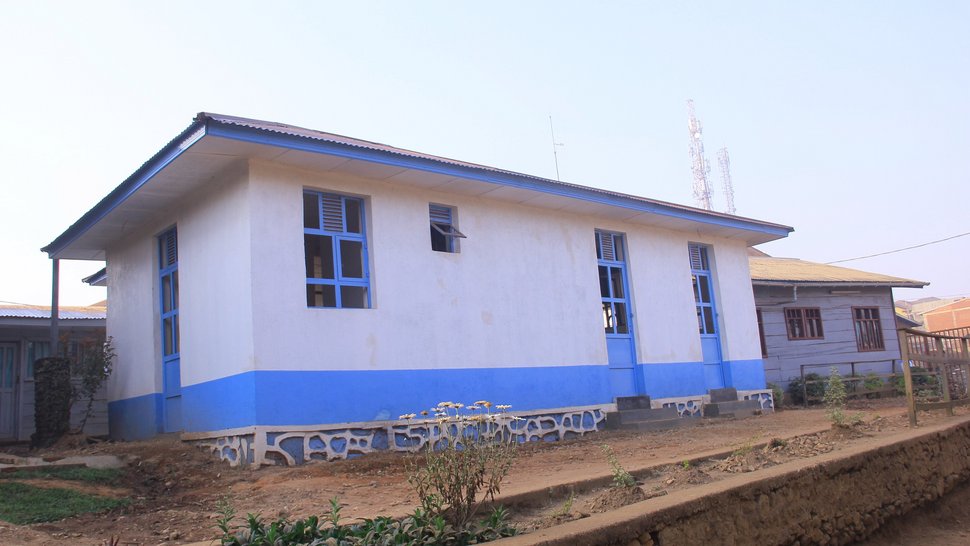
[(285, 294)]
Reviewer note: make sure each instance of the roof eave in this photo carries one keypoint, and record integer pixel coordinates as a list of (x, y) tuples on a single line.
[(838, 284), (117, 196), (305, 143), (204, 124)]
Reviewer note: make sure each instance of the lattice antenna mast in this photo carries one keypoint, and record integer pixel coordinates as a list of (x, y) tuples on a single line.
[(699, 165), (724, 165)]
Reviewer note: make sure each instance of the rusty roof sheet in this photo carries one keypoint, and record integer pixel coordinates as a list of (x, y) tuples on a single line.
[(768, 270), (19, 310)]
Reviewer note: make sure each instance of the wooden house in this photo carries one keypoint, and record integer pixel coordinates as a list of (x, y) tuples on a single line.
[(814, 316)]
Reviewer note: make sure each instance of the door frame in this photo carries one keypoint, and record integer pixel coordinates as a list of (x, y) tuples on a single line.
[(171, 417), (618, 241), (705, 259)]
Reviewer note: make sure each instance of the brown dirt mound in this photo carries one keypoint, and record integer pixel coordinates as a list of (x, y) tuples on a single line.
[(615, 497)]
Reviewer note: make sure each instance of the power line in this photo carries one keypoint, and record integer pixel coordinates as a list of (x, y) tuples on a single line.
[(899, 249)]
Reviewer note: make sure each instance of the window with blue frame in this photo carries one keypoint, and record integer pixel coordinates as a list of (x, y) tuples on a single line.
[(336, 251), (701, 277), (444, 234), (611, 259)]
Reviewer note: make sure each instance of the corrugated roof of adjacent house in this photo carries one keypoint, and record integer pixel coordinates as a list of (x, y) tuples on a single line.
[(20, 310), (789, 271)]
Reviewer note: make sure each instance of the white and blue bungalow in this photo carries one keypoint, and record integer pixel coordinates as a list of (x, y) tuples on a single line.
[(283, 294)]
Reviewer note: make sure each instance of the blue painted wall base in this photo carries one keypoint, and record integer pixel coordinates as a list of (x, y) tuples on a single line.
[(297, 398)]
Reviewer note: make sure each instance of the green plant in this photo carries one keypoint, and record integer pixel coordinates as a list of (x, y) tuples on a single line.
[(925, 383), (685, 464), (567, 506), (90, 370), (469, 451), (835, 397), (418, 527), (621, 478), (777, 442), (777, 395), (814, 388)]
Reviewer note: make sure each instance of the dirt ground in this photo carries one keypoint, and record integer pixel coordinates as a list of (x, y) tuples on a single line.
[(174, 487)]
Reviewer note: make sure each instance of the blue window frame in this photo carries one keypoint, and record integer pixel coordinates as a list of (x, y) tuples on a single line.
[(700, 273), (168, 279), (612, 265), (444, 234), (336, 251)]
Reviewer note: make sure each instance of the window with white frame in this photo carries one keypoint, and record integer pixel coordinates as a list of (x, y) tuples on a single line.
[(444, 234), (335, 247)]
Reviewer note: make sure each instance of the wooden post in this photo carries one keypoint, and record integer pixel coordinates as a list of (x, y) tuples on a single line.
[(55, 306), (804, 388), (907, 376), (944, 375)]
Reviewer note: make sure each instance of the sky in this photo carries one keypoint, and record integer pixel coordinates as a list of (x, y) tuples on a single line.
[(845, 120)]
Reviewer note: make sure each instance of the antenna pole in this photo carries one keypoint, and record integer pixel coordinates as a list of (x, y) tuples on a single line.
[(555, 154), (699, 165), (724, 164)]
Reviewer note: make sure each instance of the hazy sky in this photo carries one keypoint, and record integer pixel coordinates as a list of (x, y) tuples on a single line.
[(846, 120)]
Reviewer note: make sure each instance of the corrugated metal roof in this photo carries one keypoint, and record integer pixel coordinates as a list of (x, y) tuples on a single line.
[(17, 310), (767, 270), (293, 130)]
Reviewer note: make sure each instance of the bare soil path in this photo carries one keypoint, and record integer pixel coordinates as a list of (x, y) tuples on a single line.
[(174, 487)]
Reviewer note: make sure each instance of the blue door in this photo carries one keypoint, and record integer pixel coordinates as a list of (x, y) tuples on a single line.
[(703, 281), (168, 282), (617, 316)]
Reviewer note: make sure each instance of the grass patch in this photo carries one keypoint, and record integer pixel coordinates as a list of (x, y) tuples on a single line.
[(21, 503), (107, 476)]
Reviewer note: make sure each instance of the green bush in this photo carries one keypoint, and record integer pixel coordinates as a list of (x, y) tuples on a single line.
[(835, 397), (777, 395), (815, 390), (924, 384), (419, 527)]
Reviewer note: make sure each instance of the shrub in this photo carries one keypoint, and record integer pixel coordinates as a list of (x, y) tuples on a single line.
[(777, 395), (835, 396), (925, 384), (419, 527), (621, 478), (470, 449), (872, 382), (815, 389)]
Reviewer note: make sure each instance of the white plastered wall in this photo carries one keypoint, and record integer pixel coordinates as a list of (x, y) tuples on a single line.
[(215, 303), (440, 310), (131, 318)]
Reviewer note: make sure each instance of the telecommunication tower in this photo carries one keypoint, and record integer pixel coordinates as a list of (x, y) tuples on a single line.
[(699, 165), (724, 165)]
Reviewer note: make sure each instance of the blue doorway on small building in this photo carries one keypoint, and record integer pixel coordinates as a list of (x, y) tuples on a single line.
[(168, 282), (617, 314), (702, 279)]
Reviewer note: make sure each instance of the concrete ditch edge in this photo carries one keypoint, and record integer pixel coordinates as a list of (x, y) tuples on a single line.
[(835, 498)]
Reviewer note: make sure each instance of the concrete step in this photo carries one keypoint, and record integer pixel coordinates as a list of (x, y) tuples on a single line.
[(632, 402), (662, 424), (737, 408), (616, 419)]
